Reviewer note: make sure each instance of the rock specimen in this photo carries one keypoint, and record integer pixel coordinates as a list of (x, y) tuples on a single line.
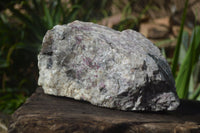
[(108, 68)]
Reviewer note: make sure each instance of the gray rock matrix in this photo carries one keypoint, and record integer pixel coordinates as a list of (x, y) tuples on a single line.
[(107, 68)]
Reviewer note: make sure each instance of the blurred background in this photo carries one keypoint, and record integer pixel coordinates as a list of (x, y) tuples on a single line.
[(172, 25)]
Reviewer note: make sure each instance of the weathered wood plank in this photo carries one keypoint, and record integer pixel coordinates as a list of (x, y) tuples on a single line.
[(50, 114)]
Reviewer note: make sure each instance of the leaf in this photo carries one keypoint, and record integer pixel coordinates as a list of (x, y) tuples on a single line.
[(3, 64), (73, 14), (183, 78), (10, 51), (47, 15), (27, 21), (177, 49), (57, 13), (184, 47), (126, 11), (87, 16), (33, 14), (165, 41), (10, 102)]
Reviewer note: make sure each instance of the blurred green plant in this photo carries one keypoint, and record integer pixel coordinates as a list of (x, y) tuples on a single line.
[(184, 79), (22, 26), (129, 21), (187, 56), (177, 49)]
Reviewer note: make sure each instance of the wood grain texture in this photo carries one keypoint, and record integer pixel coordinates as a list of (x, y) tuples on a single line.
[(49, 114)]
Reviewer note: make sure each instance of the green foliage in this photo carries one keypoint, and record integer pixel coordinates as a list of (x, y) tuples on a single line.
[(177, 50), (22, 27), (187, 55), (129, 21), (10, 101), (188, 64)]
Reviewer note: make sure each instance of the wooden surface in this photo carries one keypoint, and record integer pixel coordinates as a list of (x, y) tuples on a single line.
[(49, 114)]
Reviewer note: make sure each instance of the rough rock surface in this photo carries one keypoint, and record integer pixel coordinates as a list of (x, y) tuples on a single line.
[(108, 68)]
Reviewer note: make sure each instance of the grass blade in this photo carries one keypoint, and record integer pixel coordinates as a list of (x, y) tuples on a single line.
[(47, 15), (73, 14), (58, 13), (26, 20), (10, 51), (177, 49), (183, 78)]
